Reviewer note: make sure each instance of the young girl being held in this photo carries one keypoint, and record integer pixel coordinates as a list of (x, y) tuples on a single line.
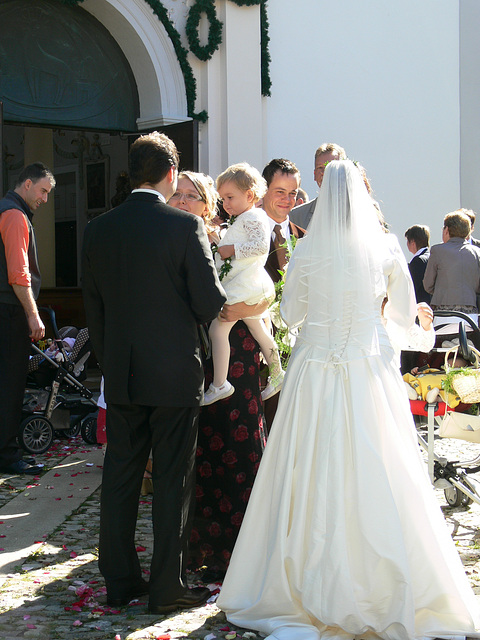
[(240, 261)]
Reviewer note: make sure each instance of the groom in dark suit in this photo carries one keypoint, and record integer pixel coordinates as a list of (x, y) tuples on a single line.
[(148, 279)]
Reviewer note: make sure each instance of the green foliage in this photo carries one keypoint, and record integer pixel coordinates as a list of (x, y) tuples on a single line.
[(281, 336), (226, 266), (207, 7), (189, 78)]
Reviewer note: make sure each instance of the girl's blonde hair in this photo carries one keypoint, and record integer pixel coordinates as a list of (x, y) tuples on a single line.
[(245, 177), (206, 190)]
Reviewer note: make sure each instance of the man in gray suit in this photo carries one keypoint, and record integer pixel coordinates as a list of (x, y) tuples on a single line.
[(452, 275), (327, 152)]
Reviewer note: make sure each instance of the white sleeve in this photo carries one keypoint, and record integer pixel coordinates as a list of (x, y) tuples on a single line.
[(294, 305), (401, 308), (258, 243), (419, 339)]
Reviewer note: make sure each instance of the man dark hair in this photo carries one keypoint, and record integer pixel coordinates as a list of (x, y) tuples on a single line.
[(420, 234), (150, 158), (148, 281), (279, 164), (418, 242), (35, 172), (19, 318)]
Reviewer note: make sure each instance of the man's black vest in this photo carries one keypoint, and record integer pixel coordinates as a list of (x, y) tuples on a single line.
[(7, 295)]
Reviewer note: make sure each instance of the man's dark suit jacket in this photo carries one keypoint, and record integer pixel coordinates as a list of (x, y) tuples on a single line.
[(417, 267), (272, 265), (148, 279)]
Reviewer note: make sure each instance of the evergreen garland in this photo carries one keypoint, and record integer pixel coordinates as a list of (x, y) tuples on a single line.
[(190, 82), (215, 34), (206, 7), (247, 3), (264, 50)]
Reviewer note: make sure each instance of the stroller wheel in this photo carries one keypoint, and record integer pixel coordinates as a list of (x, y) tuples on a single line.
[(457, 498), (36, 434), (74, 430), (89, 430)]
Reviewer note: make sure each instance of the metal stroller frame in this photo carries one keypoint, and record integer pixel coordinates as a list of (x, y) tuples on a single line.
[(62, 413), (451, 476)]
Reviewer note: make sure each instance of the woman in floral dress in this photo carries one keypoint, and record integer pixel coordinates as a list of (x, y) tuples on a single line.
[(231, 436)]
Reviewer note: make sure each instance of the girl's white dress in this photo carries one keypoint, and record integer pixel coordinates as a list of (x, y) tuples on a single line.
[(247, 281), (343, 536)]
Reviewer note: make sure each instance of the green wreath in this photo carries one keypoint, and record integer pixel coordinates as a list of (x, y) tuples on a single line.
[(206, 51)]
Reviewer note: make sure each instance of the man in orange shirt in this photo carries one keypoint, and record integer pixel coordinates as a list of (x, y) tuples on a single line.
[(19, 319)]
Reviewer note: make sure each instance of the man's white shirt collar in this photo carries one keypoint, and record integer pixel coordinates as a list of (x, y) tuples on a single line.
[(419, 252), (160, 196), (285, 226)]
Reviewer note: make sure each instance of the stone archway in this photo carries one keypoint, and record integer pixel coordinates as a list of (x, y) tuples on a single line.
[(62, 67), (152, 58)]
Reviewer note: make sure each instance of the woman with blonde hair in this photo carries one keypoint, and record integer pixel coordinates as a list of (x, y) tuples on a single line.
[(231, 435)]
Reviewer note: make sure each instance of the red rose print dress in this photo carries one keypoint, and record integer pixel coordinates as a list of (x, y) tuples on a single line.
[(231, 440)]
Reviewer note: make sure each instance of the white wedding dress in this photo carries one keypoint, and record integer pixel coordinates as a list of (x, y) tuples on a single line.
[(343, 537)]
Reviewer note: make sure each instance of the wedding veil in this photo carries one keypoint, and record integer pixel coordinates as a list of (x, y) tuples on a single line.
[(340, 262)]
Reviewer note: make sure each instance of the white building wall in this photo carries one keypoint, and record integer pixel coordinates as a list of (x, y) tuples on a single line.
[(229, 88), (470, 106), (381, 78)]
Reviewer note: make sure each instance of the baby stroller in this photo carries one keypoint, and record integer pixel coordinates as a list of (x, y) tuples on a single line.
[(55, 399), (455, 477)]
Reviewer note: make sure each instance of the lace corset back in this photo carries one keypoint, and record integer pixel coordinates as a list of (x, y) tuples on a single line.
[(340, 320), (340, 278)]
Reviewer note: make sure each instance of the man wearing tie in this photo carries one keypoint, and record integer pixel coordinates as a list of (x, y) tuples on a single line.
[(283, 181)]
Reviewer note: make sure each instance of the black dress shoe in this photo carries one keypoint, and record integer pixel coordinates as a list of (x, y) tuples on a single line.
[(20, 467), (30, 460), (190, 599), (140, 590)]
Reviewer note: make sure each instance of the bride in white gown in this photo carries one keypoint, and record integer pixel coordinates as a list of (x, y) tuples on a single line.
[(343, 536)]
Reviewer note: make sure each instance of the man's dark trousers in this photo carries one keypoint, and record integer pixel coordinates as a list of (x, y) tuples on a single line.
[(15, 347), (171, 433)]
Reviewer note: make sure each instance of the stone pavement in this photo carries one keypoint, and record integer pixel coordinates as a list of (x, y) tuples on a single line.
[(51, 588)]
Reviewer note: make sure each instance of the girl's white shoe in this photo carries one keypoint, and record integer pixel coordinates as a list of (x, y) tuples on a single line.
[(274, 385), (213, 394)]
